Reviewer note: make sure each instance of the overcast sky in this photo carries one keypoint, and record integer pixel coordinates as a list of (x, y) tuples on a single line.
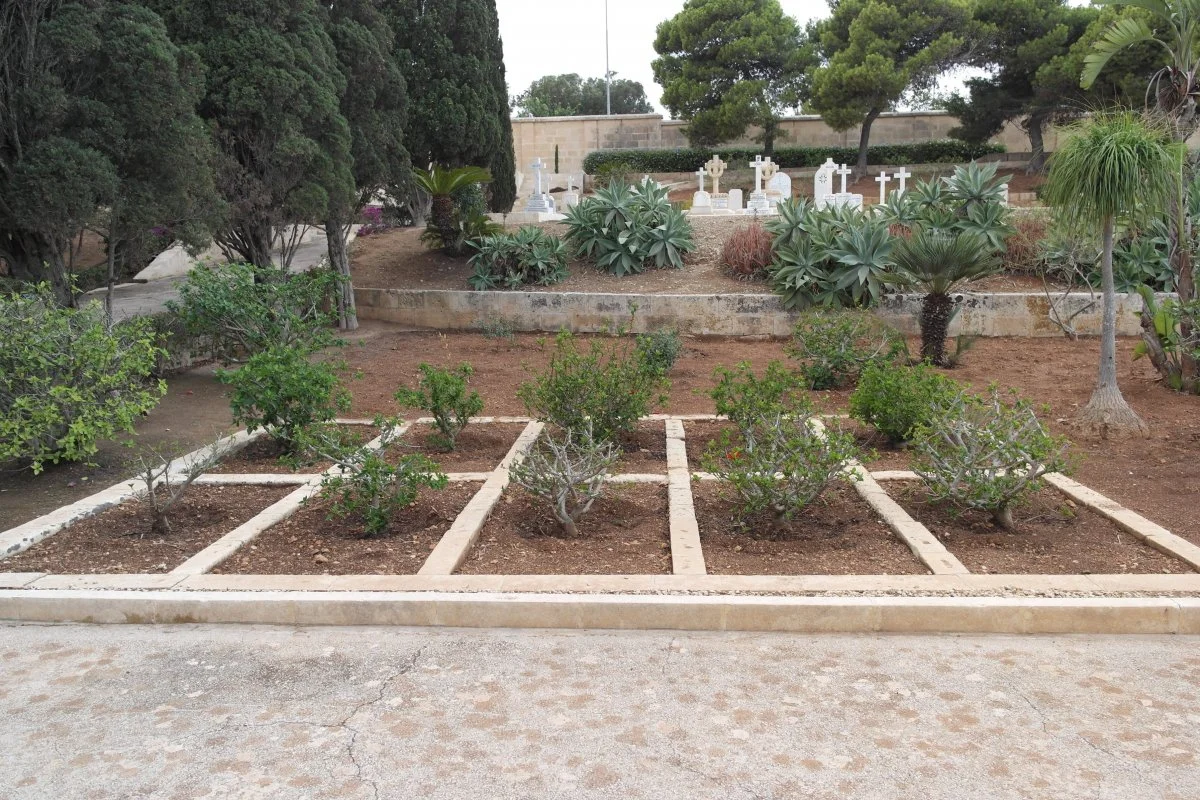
[(551, 37)]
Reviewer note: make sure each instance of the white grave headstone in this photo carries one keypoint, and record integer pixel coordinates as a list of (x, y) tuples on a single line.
[(1004, 194), (701, 200), (845, 199), (735, 200), (843, 170), (758, 198), (716, 168), (823, 183), (882, 180), (780, 185), (903, 175), (539, 201)]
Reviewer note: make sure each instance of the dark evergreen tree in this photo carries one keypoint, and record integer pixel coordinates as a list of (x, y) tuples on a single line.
[(272, 102), (569, 95), (458, 114), (373, 104), (97, 127)]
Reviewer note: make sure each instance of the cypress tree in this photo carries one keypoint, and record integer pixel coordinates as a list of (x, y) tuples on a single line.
[(458, 114)]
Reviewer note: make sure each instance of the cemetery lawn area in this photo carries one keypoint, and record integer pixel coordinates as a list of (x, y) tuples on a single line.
[(627, 532)]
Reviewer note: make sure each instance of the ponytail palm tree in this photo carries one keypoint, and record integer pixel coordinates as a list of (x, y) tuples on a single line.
[(1114, 164), (937, 262)]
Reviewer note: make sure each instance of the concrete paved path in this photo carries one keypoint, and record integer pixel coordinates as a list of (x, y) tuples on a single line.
[(242, 712)]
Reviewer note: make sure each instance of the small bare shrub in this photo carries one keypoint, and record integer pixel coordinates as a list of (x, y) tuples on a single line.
[(747, 252), (568, 472), (162, 481), (1023, 249)]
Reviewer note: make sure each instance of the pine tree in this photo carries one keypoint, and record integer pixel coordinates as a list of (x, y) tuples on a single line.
[(453, 62)]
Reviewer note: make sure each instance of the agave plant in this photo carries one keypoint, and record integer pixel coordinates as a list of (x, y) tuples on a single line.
[(624, 228), (800, 276), (863, 255), (901, 212), (792, 222), (989, 221), (936, 262), (529, 256), (446, 229), (975, 184)]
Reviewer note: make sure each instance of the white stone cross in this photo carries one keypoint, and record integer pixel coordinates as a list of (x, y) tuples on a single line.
[(903, 175), (537, 167), (843, 170), (716, 168), (757, 163), (700, 175), (882, 180), (769, 169)]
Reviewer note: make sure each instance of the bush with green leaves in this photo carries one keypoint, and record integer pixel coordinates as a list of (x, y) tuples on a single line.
[(983, 453), (68, 380), (895, 399), (568, 471), (625, 229), (1171, 336), (370, 486), (443, 393), (676, 159), (660, 348), (607, 383), (243, 309), (283, 391), (511, 260), (834, 347), (610, 172), (780, 458)]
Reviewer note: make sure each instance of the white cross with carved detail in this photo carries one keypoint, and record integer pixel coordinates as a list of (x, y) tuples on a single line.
[(843, 170), (716, 168), (903, 175), (757, 163), (537, 166), (882, 180)]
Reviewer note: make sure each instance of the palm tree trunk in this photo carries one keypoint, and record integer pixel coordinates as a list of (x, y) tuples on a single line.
[(936, 311), (1107, 411)]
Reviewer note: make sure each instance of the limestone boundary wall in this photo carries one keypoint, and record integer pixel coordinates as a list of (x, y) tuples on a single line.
[(1025, 314)]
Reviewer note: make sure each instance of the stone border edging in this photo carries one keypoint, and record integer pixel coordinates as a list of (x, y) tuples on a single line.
[(616, 611), (687, 554), (924, 545)]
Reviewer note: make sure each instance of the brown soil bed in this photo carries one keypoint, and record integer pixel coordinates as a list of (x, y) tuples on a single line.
[(877, 452), (625, 533), (479, 448), (696, 438), (837, 535), (262, 456), (1052, 537), (119, 539), (644, 450), (308, 543)]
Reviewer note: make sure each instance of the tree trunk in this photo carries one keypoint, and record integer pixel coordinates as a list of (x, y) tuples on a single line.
[(1107, 411), (936, 312), (770, 129), (864, 139), (339, 259), (34, 259), (1003, 517), (1035, 127)]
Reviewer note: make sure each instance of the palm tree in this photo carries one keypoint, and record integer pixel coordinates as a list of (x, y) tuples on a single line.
[(1173, 90), (938, 261), (1113, 164), (440, 183)]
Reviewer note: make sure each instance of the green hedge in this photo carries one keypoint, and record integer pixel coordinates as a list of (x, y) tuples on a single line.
[(942, 151)]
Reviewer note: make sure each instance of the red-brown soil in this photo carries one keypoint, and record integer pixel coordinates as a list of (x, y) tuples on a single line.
[(479, 448), (308, 543), (120, 539), (1052, 536), (624, 533), (264, 455), (836, 535)]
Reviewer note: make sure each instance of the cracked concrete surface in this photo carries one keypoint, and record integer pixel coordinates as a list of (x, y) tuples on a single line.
[(250, 712)]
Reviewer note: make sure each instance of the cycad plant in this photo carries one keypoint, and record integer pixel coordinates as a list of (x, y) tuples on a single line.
[(445, 229), (937, 262), (1112, 165)]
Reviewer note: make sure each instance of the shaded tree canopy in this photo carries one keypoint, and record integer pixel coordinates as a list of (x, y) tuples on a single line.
[(873, 52), (729, 64), (272, 104), (569, 96), (458, 114), (96, 128)]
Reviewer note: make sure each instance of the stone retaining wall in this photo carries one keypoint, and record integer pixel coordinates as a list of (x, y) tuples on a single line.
[(999, 314)]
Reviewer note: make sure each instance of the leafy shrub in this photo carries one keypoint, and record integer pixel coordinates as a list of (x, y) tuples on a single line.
[(659, 349), (748, 251), (834, 347), (943, 151), (896, 399), (370, 486), (244, 309), (778, 460), (281, 390), (66, 380), (498, 328), (443, 393), (568, 472), (624, 229), (611, 171), (511, 260), (983, 453), (609, 385), (162, 481)]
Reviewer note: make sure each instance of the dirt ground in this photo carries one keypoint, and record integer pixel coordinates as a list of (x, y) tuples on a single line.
[(1158, 477)]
